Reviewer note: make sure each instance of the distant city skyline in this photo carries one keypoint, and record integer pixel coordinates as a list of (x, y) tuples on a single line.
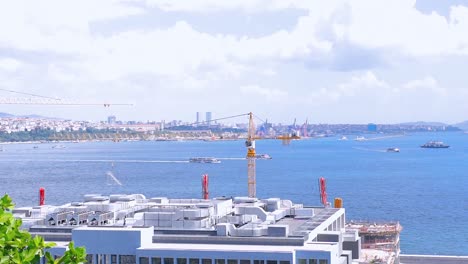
[(357, 62)]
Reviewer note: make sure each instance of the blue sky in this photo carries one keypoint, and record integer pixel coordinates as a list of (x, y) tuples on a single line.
[(354, 61)]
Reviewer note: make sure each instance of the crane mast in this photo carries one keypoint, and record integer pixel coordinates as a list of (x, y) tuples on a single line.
[(250, 144)]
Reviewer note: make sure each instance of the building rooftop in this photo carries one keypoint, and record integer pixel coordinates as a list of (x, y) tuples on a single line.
[(222, 220)]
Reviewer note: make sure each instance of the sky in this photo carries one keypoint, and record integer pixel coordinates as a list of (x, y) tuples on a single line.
[(340, 61)]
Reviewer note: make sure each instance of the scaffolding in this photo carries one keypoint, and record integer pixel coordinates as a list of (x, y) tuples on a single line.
[(379, 236)]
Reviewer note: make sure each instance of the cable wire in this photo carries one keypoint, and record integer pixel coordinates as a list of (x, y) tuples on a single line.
[(36, 95), (217, 119)]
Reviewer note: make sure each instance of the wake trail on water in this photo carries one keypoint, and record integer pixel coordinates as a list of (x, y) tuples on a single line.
[(368, 149), (104, 160), (111, 175)]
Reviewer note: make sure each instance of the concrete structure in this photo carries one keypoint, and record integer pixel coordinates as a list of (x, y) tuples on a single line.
[(198, 118), (240, 230), (425, 259)]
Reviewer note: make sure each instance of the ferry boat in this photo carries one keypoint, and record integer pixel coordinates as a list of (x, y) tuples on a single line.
[(263, 156), (393, 150), (435, 144), (204, 160)]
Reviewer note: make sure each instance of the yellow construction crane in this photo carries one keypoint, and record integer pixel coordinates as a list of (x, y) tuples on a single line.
[(251, 157)]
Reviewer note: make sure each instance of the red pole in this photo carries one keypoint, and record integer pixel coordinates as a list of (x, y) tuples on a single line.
[(323, 191), (205, 186), (41, 196)]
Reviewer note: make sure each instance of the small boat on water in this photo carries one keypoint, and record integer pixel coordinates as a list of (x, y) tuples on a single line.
[(204, 160), (263, 156), (360, 138), (58, 146), (343, 138), (393, 150), (435, 144)]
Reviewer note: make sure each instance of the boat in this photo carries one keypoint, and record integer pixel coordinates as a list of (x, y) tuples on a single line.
[(435, 144), (204, 160), (360, 138), (263, 156), (58, 146), (343, 138), (393, 150)]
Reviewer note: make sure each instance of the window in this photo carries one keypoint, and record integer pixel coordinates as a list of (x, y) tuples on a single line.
[(285, 262), (181, 261), (155, 260), (272, 262), (232, 261), (89, 258), (144, 260), (245, 261), (220, 261), (168, 261), (302, 261), (125, 259), (312, 261), (259, 262), (323, 261), (206, 261), (194, 261)]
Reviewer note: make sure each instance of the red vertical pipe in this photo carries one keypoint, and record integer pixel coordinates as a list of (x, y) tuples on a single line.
[(323, 191), (41, 196), (205, 186)]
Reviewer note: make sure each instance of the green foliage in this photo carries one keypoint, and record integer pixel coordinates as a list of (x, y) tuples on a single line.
[(18, 246)]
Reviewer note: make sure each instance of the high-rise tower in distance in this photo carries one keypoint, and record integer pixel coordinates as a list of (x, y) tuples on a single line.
[(208, 118), (111, 120)]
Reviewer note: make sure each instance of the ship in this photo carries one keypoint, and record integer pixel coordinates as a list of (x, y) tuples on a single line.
[(204, 160), (435, 144), (393, 150), (263, 156)]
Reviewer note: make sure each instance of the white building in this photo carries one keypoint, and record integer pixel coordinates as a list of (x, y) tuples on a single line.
[(241, 230)]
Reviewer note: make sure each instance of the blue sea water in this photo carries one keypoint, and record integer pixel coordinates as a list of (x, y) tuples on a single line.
[(425, 189)]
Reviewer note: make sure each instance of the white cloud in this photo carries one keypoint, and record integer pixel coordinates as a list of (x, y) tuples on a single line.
[(358, 85), (9, 64), (206, 6), (62, 43), (401, 26), (263, 93), (55, 25), (427, 84)]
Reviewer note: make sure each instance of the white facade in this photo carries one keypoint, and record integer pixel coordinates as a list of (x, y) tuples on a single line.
[(241, 230)]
